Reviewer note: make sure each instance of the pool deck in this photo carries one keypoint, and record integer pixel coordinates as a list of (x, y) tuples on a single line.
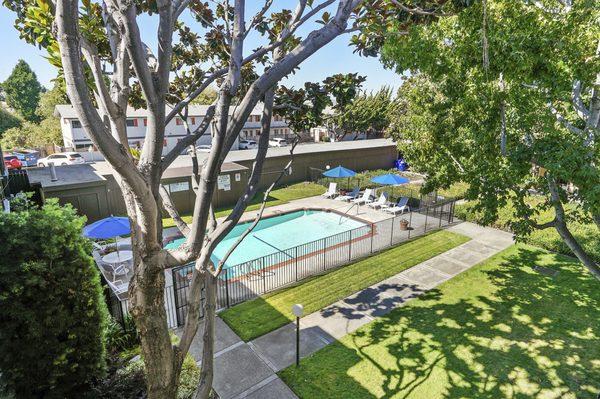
[(248, 369)]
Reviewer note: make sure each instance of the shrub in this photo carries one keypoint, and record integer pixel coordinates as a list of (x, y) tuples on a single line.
[(586, 234), (52, 313), (121, 337), (129, 381)]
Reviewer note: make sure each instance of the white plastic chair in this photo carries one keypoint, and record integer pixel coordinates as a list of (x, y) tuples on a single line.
[(365, 198), (400, 207), (381, 201), (331, 191)]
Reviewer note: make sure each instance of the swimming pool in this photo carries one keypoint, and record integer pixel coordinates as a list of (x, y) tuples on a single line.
[(279, 234)]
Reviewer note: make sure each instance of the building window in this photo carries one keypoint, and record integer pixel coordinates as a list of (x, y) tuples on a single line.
[(193, 120), (164, 142), (178, 121), (145, 121), (75, 124), (258, 132), (132, 122)]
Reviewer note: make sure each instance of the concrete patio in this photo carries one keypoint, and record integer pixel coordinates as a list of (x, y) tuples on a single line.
[(248, 370)]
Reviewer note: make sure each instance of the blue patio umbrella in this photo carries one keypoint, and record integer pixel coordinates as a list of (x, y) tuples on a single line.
[(339, 172), (390, 179), (109, 227)]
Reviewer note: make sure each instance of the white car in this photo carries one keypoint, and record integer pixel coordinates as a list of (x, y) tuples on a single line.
[(201, 148), (277, 142), (247, 144), (61, 158)]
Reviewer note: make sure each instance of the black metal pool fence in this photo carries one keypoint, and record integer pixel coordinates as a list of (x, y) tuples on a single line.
[(268, 273)]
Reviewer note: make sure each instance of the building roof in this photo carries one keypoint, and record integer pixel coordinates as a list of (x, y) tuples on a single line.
[(75, 175), (68, 112), (186, 171), (94, 173), (305, 148)]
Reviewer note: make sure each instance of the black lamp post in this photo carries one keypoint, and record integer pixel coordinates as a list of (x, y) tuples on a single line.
[(297, 310)]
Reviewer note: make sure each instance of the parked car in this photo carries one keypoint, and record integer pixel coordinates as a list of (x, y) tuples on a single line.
[(201, 148), (61, 158), (27, 157), (247, 144), (12, 162), (277, 142)]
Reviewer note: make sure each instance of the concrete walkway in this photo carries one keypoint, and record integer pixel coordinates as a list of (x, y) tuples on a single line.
[(248, 370)]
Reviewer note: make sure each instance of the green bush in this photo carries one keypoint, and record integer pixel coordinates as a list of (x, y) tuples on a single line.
[(586, 234), (121, 336), (52, 312), (128, 381)]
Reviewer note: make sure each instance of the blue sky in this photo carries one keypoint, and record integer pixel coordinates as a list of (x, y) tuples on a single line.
[(337, 57)]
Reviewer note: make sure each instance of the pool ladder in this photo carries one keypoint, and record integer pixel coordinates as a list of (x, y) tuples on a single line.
[(348, 210)]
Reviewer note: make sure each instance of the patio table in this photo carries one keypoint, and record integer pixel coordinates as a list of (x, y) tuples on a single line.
[(118, 257)]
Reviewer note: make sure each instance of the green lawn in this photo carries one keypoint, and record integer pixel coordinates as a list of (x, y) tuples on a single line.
[(499, 330), (277, 197), (257, 317)]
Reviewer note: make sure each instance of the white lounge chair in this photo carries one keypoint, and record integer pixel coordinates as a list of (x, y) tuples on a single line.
[(350, 196), (400, 207), (381, 201), (331, 191), (365, 198)]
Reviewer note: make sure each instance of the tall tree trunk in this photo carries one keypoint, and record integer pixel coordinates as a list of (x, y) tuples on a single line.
[(560, 225), (208, 337), (146, 291)]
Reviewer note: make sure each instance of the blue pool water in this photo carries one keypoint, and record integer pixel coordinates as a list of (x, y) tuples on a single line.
[(278, 234)]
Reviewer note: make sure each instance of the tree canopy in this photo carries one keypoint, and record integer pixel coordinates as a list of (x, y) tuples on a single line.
[(7, 121), (22, 91), (367, 113), (506, 96)]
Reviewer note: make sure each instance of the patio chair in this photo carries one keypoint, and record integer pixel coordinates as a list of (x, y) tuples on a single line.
[(381, 201), (365, 198), (98, 247), (350, 196), (119, 286), (400, 207), (331, 191)]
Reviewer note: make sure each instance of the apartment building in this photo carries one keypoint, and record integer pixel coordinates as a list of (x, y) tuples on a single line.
[(76, 138)]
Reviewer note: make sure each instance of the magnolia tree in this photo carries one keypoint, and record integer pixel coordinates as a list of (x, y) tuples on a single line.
[(107, 64), (506, 96)]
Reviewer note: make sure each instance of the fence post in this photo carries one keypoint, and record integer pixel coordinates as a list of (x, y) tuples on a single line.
[(451, 215), (323, 252), (296, 261), (264, 273), (350, 247), (409, 223), (440, 216), (392, 232), (426, 212), (227, 287)]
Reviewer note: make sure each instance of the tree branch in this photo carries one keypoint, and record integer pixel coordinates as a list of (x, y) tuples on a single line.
[(189, 140), (172, 211), (76, 83)]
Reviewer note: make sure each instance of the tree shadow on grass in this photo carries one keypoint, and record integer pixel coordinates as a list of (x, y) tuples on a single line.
[(502, 330)]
